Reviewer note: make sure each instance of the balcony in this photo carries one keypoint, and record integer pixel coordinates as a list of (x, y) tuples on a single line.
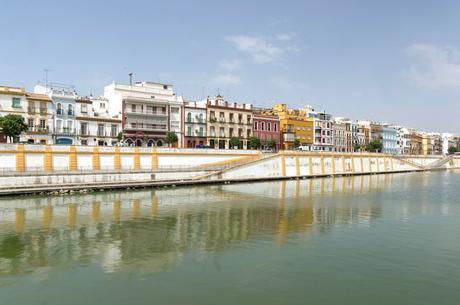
[(63, 113), (146, 127), (31, 110), (65, 131), (38, 130), (146, 113), (43, 111)]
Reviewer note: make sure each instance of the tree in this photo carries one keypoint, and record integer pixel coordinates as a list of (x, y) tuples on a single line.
[(271, 143), (356, 147), (452, 149), (234, 141), (171, 138), (254, 143), (296, 143), (120, 136), (374, 145), (13, 125)]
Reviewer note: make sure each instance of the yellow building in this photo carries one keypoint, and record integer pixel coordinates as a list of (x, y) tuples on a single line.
[(294, 125)]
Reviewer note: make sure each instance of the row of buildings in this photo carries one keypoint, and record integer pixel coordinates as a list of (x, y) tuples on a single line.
[(141, 114)]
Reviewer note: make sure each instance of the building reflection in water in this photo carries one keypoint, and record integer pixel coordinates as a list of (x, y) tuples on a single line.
[(150, 230)]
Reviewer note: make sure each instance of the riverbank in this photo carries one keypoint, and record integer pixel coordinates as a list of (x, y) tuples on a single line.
[(32, 169)]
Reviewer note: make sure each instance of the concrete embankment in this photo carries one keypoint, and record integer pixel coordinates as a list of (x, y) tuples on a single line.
[(58, 169)]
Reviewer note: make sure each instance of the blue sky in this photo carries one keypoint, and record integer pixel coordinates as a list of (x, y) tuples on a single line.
[(394, 61)]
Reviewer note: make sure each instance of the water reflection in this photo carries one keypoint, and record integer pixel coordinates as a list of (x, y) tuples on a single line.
[(150, 230)]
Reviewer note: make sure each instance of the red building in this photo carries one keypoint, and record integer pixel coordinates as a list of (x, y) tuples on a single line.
[(267, 127)]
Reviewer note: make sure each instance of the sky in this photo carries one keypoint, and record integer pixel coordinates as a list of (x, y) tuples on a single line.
[(391, 61)]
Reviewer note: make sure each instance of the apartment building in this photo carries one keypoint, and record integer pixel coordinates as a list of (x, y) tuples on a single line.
[(389, 140), (194, 124), (343, 129), (295, 126), (36, 109), (323, 140), (266, 127), (149, 111), (95, 126), (339, 136), (227, 120), (13, 101), (63, 107)]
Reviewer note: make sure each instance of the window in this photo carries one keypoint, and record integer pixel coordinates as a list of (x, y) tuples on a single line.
[(256, 125), (84, 142), (269, 126), (133, 107), (70, 110), (42, 124), (100, 130), (16, 102), (59, 108), (262, 126), (201, 131), (58, 124), (189, 117), (84, 108), (174, 110), (189, 131), (275, 127), (30, 123), (84, 128), (114, 131), (69, 125)]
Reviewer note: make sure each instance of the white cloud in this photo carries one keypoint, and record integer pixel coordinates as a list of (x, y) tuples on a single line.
[(260, 49), (225, 79), (434, 66), (230, 64), (284, 37)]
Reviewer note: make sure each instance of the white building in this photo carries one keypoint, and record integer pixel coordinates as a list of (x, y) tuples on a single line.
[(64, 103), (323, 129), (94, 124), (194, 124), (34, 108), (149, 110)]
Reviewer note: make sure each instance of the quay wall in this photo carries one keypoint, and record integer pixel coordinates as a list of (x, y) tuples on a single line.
[(56, 158), (47, 167)]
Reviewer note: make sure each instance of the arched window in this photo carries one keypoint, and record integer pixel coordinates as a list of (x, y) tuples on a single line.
[(189, 117), (70, 110), (59, 108)]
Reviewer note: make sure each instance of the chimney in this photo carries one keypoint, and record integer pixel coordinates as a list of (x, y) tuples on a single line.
[(130, 79)]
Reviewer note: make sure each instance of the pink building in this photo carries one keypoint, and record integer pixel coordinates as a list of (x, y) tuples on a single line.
[(266, 127)]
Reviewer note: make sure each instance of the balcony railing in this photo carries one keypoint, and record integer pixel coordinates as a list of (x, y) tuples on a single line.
[(65, 131), (146, 112), (62, 112), (38, 129), (148, 127)]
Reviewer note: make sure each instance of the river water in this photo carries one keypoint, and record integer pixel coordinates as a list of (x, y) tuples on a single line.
[(383, 239)]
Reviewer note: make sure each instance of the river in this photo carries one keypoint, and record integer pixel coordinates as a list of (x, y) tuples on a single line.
[(382, 239)]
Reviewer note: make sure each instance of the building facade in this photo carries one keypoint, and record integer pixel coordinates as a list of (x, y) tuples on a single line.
[(194, 124), (227, 120), (295, 127), (148, 111), (389, 140), (94, 124), (339, 133), (267, 128), (63, 107)]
